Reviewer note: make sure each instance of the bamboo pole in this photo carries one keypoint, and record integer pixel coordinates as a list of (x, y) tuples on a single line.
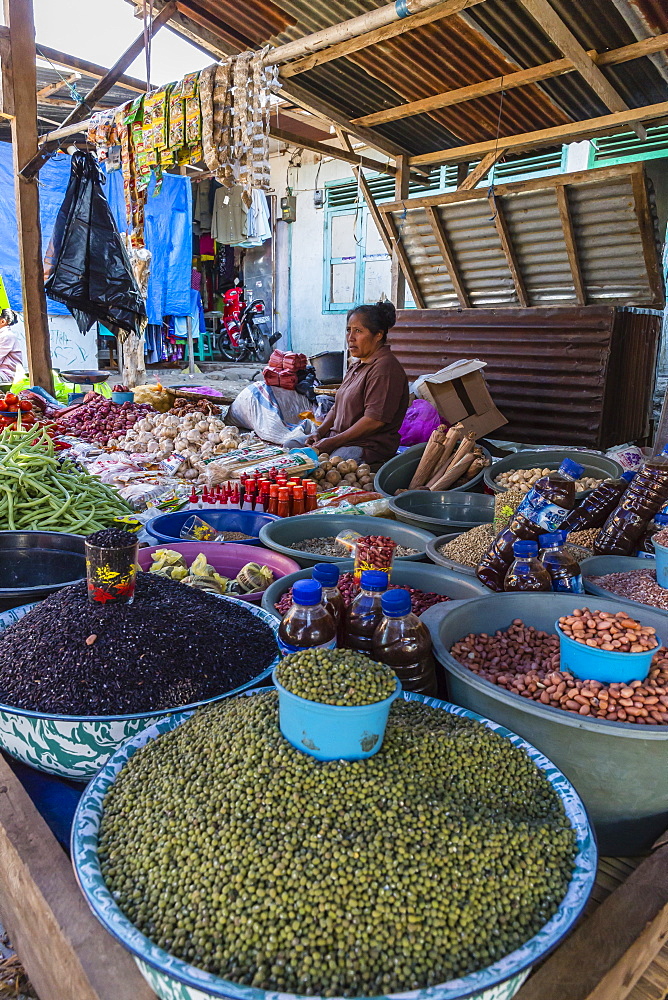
[(351, 28)]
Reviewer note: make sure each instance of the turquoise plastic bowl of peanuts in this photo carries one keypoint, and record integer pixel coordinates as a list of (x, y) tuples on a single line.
[(661, 557), (589, 663)]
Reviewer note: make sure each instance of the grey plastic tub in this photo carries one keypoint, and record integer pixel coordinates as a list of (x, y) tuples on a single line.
[(398, 471), (422, 576), (620, 769), (440, 511), (279, 535), (601, 565), (595, 466), (34, 564), (441, 560)]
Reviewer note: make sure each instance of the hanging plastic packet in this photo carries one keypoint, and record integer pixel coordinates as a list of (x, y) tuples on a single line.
[(197, 530)]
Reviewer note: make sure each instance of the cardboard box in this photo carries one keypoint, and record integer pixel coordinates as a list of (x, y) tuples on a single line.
[(460, 395)]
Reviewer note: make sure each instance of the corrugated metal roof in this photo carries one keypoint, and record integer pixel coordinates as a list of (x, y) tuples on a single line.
[(561, 376), (490, 39), (607, 233)]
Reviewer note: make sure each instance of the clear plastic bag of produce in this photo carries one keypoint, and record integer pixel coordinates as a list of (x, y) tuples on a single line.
[(86, 266)]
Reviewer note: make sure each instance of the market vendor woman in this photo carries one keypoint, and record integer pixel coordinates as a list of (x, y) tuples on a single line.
[(372, 401)]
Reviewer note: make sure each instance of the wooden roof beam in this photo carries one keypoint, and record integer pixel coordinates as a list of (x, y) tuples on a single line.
[(405, 263), (53, 88), (522, 78), (443, 244), (561, 35), (571, 245), (346, 48), (334, 151), (482, 169), (603, 125), (508, 249), (367, 194)]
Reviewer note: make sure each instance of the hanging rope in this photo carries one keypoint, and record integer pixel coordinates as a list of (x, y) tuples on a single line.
[(72, 87), (490, 192), (148, 24)]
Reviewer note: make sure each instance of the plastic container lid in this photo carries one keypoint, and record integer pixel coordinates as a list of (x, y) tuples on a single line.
[(628, 475), (326, 574), (307, 593), (396, 603), (571, 468), (525, 549), (553, 538), (373, 579)]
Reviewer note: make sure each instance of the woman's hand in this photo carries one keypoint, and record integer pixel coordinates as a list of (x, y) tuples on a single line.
[(312, 441)]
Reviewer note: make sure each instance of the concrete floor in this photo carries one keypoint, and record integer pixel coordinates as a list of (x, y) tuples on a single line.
[(226, 377)]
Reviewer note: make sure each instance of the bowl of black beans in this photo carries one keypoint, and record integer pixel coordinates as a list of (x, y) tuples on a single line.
[(77, 679)]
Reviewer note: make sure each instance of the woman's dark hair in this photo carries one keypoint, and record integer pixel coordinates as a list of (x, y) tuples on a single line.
[(378, 318)]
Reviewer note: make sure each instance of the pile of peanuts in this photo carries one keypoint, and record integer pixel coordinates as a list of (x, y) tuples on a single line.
[(604, 630), (525, 661), (525, 479)]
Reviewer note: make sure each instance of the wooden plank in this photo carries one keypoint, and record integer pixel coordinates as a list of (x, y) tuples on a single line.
[(64, 949), (571, 245), (23, 83), (443, 243), (508, 249), (53, 88), (559, 33), (401, 270), (619, 171), (601, 959), (351, 45), (7, 95), (587, 129), (367, 194), (651, 251), (483, 168), (87, 67), (326, 150), (522, 78)]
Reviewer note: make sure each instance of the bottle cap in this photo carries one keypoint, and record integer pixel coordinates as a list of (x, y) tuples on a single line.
[(553, 538), (373, 579), (665, 450), (311, 488), (628, 476), (326, 574), (283, 493), (661, 518), (396, 603), (307, 592), (571, 468), (525, 549), (273, 490)]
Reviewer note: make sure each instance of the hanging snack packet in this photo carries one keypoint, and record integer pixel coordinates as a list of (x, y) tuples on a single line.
[(193, 114), (177, 119), (160, 119)]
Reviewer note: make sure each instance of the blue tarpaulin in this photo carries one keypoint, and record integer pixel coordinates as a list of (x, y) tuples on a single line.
[(53, 179), (168, 235)]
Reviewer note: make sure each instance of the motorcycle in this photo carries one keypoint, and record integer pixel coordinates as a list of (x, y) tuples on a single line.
[(246, 329)]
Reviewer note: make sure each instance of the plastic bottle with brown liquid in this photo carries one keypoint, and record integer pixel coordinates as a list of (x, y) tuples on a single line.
[(564, 569), (526, 572), (644, 498), (327, 575), (308, 624), (365, 612), (403, 642), (597, 507), (542, 510)]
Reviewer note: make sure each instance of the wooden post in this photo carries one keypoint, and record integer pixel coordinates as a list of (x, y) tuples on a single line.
[(401, 181), (21, 82)]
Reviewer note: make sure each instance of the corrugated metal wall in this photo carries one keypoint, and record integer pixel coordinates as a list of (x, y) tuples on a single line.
[(580, 376)]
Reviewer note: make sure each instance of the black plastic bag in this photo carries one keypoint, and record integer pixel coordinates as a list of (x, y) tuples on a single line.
[(87, 267)]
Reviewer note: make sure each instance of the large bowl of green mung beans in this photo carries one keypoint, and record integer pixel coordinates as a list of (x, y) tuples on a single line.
[(235, 931)]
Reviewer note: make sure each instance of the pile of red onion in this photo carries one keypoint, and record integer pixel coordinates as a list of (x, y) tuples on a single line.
[(420, 600), (98, 419)]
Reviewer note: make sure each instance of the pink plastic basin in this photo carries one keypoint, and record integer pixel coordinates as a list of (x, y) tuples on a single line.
[(227, 559)]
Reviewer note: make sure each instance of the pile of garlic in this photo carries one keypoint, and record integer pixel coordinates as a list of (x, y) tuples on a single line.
[(196, 437)]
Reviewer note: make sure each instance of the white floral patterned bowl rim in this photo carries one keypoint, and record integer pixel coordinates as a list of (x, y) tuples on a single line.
[(87, 869), (8, 618)]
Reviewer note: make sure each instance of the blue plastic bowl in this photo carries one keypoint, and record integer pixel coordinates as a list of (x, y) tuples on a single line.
[(591, 664), (333, 732), (661, 558), (122, 397), (167, 527)]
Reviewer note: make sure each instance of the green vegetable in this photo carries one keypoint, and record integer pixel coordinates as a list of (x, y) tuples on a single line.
[(39, 492), (336, 677), (251, 860)]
